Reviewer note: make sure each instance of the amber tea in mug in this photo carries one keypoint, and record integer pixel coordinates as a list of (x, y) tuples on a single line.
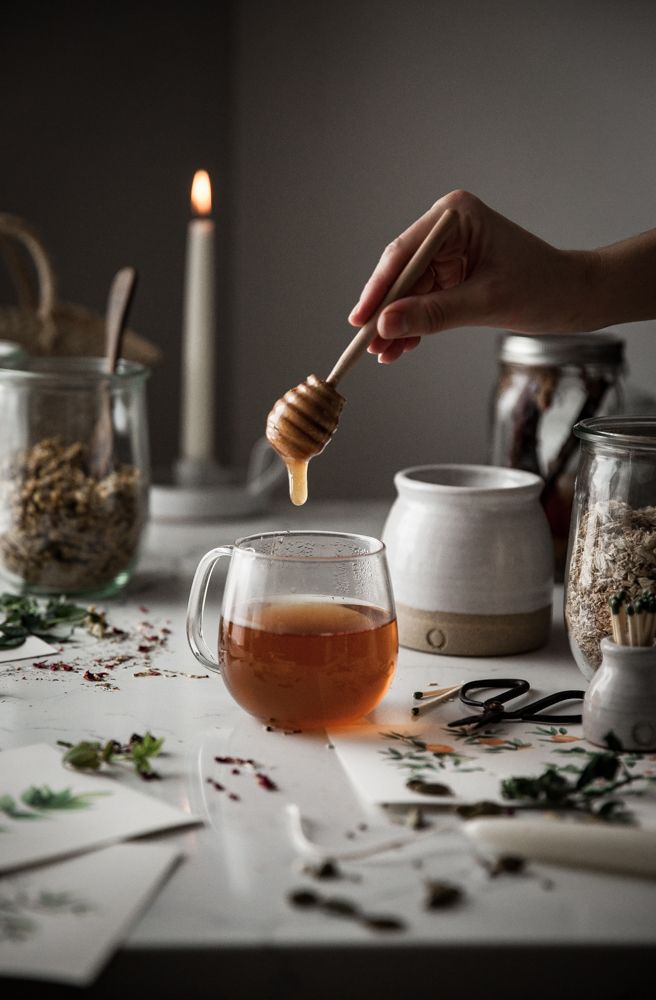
[(307, 636)]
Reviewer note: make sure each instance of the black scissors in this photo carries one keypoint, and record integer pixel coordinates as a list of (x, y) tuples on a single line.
[(493, 709)]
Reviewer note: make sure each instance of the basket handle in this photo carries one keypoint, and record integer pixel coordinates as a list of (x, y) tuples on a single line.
[(17, 229)]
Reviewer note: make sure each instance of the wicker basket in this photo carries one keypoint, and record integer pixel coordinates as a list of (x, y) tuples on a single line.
[(39, 322)]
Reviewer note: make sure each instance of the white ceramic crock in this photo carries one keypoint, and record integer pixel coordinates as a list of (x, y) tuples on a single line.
[(621, 697), (471, 560)]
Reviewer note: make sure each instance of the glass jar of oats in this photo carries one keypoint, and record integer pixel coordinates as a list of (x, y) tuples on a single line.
[(612, 543), (74, 475)]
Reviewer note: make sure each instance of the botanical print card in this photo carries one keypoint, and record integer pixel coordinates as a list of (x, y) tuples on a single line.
[(28, 650), (63, 921), (397, 758), (48, 811)]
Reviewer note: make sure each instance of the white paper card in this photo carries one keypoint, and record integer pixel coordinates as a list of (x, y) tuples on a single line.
[(32, 648), (48, 811), (391, 748), (63, 921)]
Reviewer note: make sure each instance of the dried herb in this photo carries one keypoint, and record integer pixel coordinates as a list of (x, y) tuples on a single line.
[(506, 864), (591, 791), (338, 906), (55, 619), (68, 529), (384, 923), (326, 869), (435, 788), (303, 898), (90, 756), (262, 779), (471, 810), (440, 895)]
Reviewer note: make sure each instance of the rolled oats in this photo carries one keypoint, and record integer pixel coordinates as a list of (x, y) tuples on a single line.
[(614, 549)]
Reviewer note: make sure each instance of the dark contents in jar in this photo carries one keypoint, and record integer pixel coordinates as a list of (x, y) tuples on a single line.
[(64, 528), (535, 400)]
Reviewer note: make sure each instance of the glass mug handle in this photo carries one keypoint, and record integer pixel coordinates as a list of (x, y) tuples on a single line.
[(196, 607)]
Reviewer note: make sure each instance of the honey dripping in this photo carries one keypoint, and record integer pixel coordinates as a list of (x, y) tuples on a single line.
[(300, 425), (298, 488)]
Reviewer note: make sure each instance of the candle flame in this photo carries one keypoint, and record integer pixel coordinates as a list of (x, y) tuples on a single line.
[(201, 193)]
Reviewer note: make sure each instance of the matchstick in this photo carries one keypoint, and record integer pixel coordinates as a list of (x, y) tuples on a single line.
[(432, 698)]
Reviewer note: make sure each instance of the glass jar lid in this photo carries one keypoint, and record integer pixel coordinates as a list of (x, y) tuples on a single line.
[(630, 433), (562, 348)]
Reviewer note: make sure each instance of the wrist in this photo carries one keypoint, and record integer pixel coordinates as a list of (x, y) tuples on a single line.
[(583, 303), (616, 283)]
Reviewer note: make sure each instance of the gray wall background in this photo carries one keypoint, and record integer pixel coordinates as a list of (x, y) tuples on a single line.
[(327, 127)]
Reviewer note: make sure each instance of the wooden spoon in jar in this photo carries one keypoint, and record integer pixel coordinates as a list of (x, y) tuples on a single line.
[(302, 422), (119, 301)]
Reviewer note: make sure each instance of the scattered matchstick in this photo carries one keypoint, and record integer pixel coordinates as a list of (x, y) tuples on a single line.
[(436, 697)]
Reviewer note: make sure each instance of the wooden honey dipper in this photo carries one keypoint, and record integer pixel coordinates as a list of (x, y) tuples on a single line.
[(302, 422)]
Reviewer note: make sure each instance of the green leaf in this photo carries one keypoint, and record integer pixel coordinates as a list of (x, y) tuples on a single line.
[(88, 755), (12, 636), (85, 756), (142, 749), (25, 616), (600, 766), (612, 742)]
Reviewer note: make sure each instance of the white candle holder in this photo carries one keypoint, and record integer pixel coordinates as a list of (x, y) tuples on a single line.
[(206, 491)]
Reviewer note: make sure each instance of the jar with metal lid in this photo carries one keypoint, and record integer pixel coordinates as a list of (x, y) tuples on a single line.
[(546, 384), (612, 546), (74, 475)]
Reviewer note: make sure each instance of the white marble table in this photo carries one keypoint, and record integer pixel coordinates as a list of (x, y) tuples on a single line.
[(222, 925)]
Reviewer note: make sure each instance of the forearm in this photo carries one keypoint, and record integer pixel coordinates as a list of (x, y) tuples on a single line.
[(618, 282)]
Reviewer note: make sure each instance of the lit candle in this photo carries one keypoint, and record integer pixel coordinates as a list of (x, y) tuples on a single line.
[(197, 416)]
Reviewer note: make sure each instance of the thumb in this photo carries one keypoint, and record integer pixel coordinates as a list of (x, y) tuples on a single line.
[(419, 315)]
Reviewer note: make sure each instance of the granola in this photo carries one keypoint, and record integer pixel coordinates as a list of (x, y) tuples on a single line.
[(614, 549)]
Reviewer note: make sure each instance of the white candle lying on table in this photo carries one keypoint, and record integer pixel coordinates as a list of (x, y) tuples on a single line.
[(198, 350), (628, 850)]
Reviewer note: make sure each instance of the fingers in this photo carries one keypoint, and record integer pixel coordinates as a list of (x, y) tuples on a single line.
[(389, 351), (393, 259), (465, 304)]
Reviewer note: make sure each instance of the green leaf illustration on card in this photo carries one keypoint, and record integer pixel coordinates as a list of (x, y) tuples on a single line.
[(44, 799), (20, 910), (10, 807), (424, 757)]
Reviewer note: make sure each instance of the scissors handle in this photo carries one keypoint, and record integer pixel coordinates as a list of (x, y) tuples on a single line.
[(509, 687), (493, 709)]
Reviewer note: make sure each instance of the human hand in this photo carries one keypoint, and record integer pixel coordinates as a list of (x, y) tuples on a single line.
[(487, 272)]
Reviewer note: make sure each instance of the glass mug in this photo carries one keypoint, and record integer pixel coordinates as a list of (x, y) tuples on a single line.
[(307, 633)]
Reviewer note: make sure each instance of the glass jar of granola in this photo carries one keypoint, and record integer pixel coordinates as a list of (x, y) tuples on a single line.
[(74, 475), (545, 384), (612, 545)]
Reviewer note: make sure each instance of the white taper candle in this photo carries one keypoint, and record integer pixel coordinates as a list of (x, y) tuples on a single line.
[(198, 340)]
